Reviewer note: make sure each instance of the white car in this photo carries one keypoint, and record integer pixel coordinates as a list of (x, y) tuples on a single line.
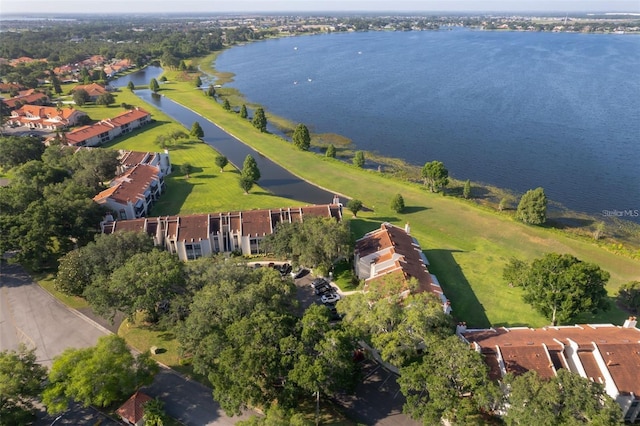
[(330, 298)]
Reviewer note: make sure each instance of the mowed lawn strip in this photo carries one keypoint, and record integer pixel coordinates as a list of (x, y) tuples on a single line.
[(467, 246)]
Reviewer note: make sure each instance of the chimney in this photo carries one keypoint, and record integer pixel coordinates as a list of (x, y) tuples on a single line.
[(336, 199), (630, 322), (407, 228), (461, 327)]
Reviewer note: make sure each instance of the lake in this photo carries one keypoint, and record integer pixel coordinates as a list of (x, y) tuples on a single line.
[(516, 110)]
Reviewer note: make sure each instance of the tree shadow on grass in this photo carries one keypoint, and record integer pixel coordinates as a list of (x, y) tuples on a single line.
[(171, 201), (465, 304), (414, 209)]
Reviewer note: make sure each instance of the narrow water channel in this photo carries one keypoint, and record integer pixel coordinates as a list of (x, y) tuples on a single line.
[(276, 179)]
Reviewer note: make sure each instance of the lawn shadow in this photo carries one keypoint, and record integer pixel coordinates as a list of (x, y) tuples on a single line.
[(414, 209), (206, 176), (171, 201), (465, 304)]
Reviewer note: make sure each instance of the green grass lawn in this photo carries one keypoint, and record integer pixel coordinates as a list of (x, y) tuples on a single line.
[(45, 280), (467, 245)]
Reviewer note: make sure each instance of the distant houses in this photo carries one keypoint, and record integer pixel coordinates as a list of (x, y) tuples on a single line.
[(199, 235), (45, 117), (105, 130)]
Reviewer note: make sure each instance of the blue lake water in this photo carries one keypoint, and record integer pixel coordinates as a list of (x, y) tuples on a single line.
[(512, 109)]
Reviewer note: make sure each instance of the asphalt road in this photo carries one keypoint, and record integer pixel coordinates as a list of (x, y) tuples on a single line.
[(30, 315)]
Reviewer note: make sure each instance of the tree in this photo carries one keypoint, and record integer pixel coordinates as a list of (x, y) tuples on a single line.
[(397, 203), (141, 284), (234, 331), (532, 208), (301, 137), (564, 399), (154, 414), (16, 150), (211, 91), (196, 130), (198, 81), (93, 167), (315, 242), (466, 190), (226, 105), (154, 86), (221, 161), (79, 268), (277, 415), (358, 159), (186, 169), (105, 99), (243, 111), (449, 382), (21, 382), (250, 169), (80, 97), (331, 151), (561, 287), (629, 296), (504, 204), (435, 175), (131, 86), (245, 184), (99, 375), (354, 206), (259, 120), (55, 82), (599, 231)]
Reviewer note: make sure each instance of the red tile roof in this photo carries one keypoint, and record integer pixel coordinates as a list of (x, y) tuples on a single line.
[(133, 409), (130, 186)]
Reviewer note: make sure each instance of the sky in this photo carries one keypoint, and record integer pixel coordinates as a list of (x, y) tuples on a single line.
[(40, 7)]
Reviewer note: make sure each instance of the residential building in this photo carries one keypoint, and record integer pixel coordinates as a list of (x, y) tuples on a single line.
[(94, 90), (392, 254), (132, 194), (132, 411), (30, 97), (106, 130), (45, 117), (603, 353), (194, 236), (130, 159)]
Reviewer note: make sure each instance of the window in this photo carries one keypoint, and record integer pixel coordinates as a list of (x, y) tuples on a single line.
[(194, 251), (123, 214)]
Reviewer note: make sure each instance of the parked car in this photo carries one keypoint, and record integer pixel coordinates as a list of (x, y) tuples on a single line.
[(285, 269), (318, 282), (300, 272), (330, 298), (324, 289)]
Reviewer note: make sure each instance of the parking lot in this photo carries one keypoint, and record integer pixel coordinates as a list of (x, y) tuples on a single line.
[(308, 295), (25, 131)]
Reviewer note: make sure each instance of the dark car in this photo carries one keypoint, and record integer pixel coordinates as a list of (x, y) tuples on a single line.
[(324, 289), (319, 282)]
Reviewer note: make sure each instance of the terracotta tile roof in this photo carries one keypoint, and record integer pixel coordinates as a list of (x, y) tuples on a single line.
[(193, 228), (132, 158), (82, 134), (392, 242), (132, 410), (619, 347), (27, 99), (256, 223), (129, 117), (131, 186), (93, 89)]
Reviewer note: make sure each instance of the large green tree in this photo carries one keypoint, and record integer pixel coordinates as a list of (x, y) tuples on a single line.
[(105, 99), (259, 120), (80, 267), (435, 175), (566, 399), (629, 296), (142, 284), (532, 208), (250, 168), (154, 86), (15, 151), (449, 382), (21, 382), (560, 286), (358, 159), (81, 97), (245, 183), (315, 242), (331, 151), (99, 375), (301, 138), (354, 206), (234, 331), (397, 203)]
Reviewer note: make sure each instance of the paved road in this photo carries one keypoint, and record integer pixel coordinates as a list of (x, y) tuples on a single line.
[(188, 401), (30, 315)]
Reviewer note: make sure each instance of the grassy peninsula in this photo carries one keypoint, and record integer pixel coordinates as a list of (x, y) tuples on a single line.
[(467, 244)]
